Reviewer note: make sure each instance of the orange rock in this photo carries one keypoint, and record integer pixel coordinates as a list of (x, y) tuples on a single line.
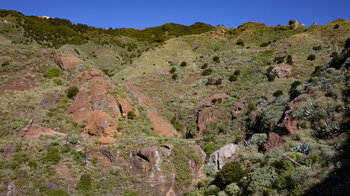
[(81, 107), (36, 130), (125, 105), (287, 126), (106, 140), (67, 62), (206, 115), (161, 126), (282, 70), (101, 124), (274, 141)]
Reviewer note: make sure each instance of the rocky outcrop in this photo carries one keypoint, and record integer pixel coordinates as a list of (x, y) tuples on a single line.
[(282, 70), (48, 100), (273, 141), (34, 130), (207, 113), (67, 61), (223, 155), (161, 126), (287, 126), (295, 24), (100, 124)]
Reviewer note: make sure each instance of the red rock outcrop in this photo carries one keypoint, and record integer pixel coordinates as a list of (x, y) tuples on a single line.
[(282, 70), (35, 130), (100, 124), (287, 126), (67, 62), (273, 141), (161, 126)]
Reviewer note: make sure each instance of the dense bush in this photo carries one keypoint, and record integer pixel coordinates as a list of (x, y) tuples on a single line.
[(316, 48), (53, 72), (336, 26), (174, 76), (58, 192), (53, 155), (240, 42), (218, 81), (271, 77), (72, 92), (204, 66), (277, 93), (294, 92), (131, 115), (311, 57), (84, 182), (231, 172), (206, 72), (237, 72), (279, 59), (212, 190), (216, 59), (289, 60), (5, 63), (232, 189), (232, 78), (172, 70), (347, 43), (177, 124), (265, 44), (183, 64)]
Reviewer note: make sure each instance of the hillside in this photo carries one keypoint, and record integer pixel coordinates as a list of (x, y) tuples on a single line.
[(174, 109)]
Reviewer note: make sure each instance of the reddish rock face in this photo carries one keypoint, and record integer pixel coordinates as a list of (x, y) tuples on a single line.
[(125, 106), (100, 124), (67, 62), (161, 126), (273, 141), (21, 82), (287, 126), (282, 70), (238, 107), (106, 140), (205, 116), (36, 130), (81, 107)]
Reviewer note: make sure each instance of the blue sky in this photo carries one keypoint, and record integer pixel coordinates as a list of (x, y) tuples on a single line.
[(147, 13)]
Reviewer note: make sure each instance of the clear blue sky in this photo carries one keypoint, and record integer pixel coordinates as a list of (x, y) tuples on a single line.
[(147, 13)]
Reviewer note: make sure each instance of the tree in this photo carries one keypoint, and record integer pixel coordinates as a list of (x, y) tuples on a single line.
[(230, 173)]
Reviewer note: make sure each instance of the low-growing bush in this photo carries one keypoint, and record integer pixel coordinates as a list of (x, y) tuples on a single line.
[(277, 93), (231, 172), (5, 63), (204, 66), (58, 192), (131, 115), (347, 43), (279, 59), (53, 72), (240, 42), (311, 57), (218, 81), (336, 26), (232, 78), (72, 92), (265, 44), (53, 155), (84, 182), (183, 64), (177, 124), (172, 70), (289, 60), (174, 76), (316, 48), (207, 72), (237, 72), (216, 59), (271, 77)]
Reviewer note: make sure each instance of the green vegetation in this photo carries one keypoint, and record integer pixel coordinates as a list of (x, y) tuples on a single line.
[(311, 57), (240, 42), (84, 183), (72, 92), (232, 172), (53, 72)]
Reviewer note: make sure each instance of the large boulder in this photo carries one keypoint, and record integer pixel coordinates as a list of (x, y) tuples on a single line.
[(282, 70), (161, 126), (223, 155), (100, 124), (67, 61)]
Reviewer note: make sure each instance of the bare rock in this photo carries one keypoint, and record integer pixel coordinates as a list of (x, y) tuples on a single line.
[(67, 62), (101, 124), (282, 70), (223, 155), (273, 141), (161, 126), (287, 126)]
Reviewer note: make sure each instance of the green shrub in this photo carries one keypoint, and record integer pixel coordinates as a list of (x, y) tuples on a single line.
[(183, 64), (172, 70), (5, 63), (32, 164), (232, 78), (53, 155), (336, 26), (232, 189), (177, 124), (210, 169), (231, 172), (84, 183), (311, 57), (218, 81), (58, 82), (210, 81), (277, 93), (53, 72), (279, 59), (237, 72), (206, 72), (204, 66), (347, 43), (240, 42), (271, 77), (131, 115), (174, 76), (72, 92), (316, 48), (261, 179), (265, 44), (59, 192), (212, 190), (251, 107), (334, 54), (289, 60), (216, 59)]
